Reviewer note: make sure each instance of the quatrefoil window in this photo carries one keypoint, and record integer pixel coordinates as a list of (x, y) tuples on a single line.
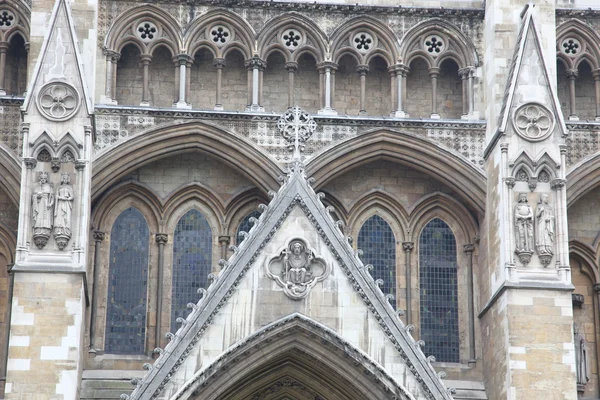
[(434, 45), (533, 122), (571, 46), (363, 42), (291, 38), (220, 35), (7, 19), (58, 101), (147, 31)]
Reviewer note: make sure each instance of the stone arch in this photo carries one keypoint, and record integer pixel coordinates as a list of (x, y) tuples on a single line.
[(386, 45), (317, 357), (582, 178), (196, 34), (313, 41), (161, 142), (451, 169), (589, 257), (240, 206), (459, 47), (19, 27), (379, 202), (193, 196), (588, 39), (122, 31)]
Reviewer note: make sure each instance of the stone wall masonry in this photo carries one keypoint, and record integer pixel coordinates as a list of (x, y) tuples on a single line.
[(203, 81), (418, 90), (129, 77), (449, 91), (378, 88), (275, 84), (9, 213), (10, 120), (235, 83), (47, 311), (306, 84), (584, 220), (161, 79), (347, 87)]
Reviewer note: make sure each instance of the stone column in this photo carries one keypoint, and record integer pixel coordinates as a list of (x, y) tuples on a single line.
[(291, 67), (393, 88), (98, 237), (145, 59), (401, 72), (469, 249), (463, 73), (256, 65), (363, 70), (408, 247), (110, 92), (572, 76), (434, 73), (161, 240), (4, 46), (327, 71), (596, 76), (219, 63)]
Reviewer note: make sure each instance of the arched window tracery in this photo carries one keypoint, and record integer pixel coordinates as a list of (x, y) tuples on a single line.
[(192, 260), (438, 287), (127, 284)]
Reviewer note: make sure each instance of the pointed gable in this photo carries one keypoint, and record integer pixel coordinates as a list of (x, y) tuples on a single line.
[(347, 307)]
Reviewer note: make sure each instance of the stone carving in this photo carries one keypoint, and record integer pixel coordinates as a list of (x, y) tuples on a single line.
[(220, 35), (146, 31), (44, 156), (291, 38), (570, 47), (434, 45), (544, 217), (296, 269), (363, 42), (42, 210), (62, 212), (523, 229), (67, 156), (533, 122), (58, 101), (522, 175), (544, 176), (581, 360), (297, 127), (7, 19)]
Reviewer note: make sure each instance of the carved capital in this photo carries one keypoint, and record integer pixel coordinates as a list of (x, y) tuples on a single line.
[(80, 165), (219, 63), (4, 46), (532, 183), (596, 74), (469, 248), (98, 236), (434, 72), (111, 55), (510, 182), (291, 66), (504, 147), (255, 62), (55, 164), (327, 65), (362, 69), (557, 184), (572, 73), (30, 162), (466, 73), (145, 59), (224, 240), (161, 238), (408, 246), (596, 287)]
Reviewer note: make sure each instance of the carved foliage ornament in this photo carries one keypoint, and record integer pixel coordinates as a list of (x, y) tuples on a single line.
[(58, 101), (297, 269), (533, 122)]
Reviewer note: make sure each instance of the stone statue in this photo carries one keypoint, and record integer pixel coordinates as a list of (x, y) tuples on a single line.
[(544, 217), (297, 262), (42, 210), (62, 212), (581, 361), (524, 229)]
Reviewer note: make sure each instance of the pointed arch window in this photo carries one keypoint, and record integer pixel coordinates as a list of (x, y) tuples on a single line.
[(439, 291), (245, 225), (127, 284), (192, 256), (376, 240)]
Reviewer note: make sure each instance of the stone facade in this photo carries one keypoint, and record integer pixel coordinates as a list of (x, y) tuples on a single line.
[(455, 141)]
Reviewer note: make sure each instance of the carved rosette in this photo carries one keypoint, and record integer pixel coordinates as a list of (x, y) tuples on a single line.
[(533, 122), (58, 101), (296, 268)]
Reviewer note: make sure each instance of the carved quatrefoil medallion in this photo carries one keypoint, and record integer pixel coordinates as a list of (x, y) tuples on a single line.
[(533, 122), (296, 268), (58, 101)]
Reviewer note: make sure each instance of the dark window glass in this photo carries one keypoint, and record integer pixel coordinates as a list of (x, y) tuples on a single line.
[(438, 287), (127, 284), (245, 225), (192, 258), (378, 244)]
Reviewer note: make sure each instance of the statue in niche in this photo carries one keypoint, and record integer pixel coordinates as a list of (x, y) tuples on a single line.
[(42, 210), (524, 229), (62, 212), (581, 361), (296, 269), (544, 217)]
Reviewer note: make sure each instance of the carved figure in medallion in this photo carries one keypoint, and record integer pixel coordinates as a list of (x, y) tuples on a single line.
[(296, 269), (524, 229), (42, 210), (544, 216), (62, 212)]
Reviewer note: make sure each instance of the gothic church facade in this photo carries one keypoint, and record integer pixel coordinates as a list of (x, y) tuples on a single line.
[(248, 199)]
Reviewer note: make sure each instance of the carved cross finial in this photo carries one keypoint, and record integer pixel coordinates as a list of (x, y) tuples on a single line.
[(296, 126)]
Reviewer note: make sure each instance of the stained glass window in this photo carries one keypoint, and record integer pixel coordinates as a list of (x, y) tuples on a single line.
[(439, 291), (127, 284), (245, 225), (192, 258), (378, 244)]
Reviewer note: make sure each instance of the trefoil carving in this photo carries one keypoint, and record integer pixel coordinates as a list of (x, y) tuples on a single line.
[(296, 268)]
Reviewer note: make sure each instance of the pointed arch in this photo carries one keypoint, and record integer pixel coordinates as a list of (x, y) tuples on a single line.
[(197, 35), (588, 255), (386, 45), (313, 41), (451, 169), (20, 25), (588, 39), (330, 365), (378, 200), (458, 47), (241, 205)]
